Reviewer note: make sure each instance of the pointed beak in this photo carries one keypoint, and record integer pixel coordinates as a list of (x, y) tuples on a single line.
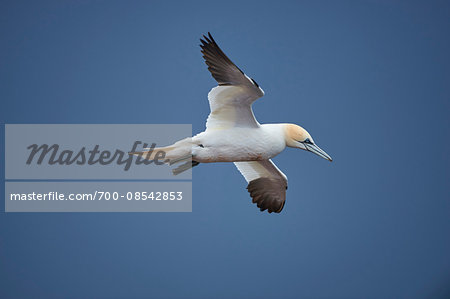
[(318, 151)]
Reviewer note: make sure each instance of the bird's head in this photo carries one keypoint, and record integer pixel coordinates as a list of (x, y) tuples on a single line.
[(298, 137)]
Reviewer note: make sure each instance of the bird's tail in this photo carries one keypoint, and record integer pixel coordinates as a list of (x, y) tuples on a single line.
[(179, 152)]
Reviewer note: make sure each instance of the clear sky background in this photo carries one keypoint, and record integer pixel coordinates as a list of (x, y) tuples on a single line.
[(369, 80)]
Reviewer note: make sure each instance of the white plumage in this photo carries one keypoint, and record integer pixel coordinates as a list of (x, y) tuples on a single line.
[(234, 135)]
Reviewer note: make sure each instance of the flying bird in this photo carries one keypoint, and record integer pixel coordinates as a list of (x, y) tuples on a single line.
[(234, 135)]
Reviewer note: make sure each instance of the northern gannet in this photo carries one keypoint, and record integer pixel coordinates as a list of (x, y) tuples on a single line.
[(234, 135)]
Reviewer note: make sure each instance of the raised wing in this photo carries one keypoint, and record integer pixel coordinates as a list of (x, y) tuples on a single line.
[(266, 184), (231, 101)]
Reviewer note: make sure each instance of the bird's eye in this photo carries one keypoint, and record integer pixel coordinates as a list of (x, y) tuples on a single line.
[(307, 141)]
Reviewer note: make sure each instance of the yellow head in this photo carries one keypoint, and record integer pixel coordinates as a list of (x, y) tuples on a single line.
[(298, 137)]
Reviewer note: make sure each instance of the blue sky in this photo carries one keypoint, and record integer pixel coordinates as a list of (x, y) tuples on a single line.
[(368, 79)]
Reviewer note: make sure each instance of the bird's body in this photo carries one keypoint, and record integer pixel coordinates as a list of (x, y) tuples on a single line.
[(239, 144), (234, 135)]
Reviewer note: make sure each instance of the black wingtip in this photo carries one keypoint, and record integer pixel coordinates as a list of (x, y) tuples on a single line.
[(210, 37), (207, 39), (223, 70), (267, 199)]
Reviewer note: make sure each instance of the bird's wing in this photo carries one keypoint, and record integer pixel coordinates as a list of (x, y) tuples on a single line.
[(266, 184), (231, 101)]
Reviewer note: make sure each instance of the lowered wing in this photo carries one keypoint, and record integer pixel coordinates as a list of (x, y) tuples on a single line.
[(266, 184)]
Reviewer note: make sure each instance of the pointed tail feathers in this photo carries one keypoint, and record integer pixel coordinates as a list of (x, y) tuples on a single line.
[(180, 151), (151, 154)]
